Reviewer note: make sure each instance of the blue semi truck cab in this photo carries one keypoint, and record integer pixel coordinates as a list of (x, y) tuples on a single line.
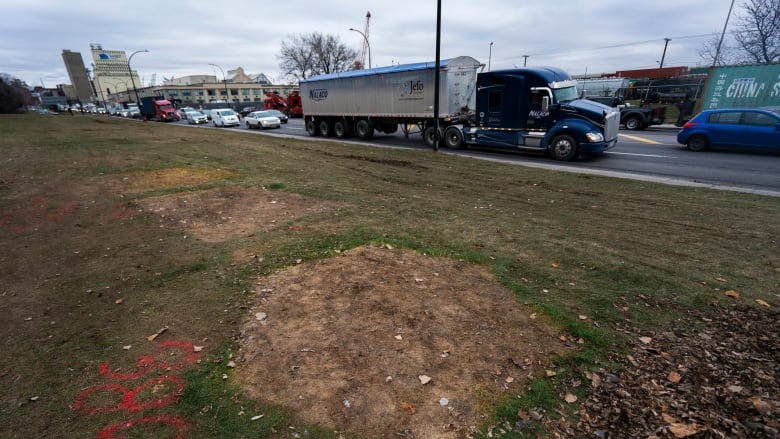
[(536, 109)]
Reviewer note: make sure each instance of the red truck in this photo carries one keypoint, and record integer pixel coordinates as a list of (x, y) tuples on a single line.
[(291, 106), (158, 108)]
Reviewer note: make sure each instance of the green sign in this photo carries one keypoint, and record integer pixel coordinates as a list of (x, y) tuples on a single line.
[(743, 86)]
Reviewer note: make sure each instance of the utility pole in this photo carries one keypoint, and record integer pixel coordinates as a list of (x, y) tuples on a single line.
[(722, 34), (666, 43)]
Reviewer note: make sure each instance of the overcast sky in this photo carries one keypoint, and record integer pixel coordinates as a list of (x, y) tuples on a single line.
[(183, 37)]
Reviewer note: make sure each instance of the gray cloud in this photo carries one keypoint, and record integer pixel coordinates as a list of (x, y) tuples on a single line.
[(184, 37)]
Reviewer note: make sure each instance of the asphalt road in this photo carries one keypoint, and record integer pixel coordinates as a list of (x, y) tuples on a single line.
[(652, 155)]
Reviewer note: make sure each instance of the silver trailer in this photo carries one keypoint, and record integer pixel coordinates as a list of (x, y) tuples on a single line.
[(362, 101)]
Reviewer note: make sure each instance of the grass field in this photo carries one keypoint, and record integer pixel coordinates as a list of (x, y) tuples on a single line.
[(86, 273)]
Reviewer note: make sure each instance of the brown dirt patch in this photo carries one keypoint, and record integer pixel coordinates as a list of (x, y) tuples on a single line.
[(344, 342), (217, 215), (148, 180)]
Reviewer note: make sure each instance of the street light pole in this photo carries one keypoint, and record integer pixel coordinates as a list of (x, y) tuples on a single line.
[(663, 56), (367, 44), (490, 55), (137, 100), (525, 59), (224, 80)]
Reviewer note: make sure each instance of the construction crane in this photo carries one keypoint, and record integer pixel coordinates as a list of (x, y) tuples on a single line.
[(366, 45)]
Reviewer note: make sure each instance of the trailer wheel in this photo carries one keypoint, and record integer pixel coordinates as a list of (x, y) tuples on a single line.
[(564, 148), (326, 128), (342, 129), (453, 138), (429, 138), (389, 128), (633, 123), (364, 129), (311, 128)]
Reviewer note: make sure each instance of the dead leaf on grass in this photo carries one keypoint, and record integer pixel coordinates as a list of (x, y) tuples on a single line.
[(733, 294), (762, 303), (680, 430), (157, 334), (409, 406), (674, 377), (761, 405), (570, 398)]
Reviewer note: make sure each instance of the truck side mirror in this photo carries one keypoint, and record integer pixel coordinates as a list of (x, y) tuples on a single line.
[(545, 103)]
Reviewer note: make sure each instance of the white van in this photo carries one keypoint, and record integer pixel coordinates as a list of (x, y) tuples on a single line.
[(225, 117)]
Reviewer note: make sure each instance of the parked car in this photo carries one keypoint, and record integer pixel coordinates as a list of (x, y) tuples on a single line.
[(225, 117), (282, 117), (755, 128), (262, 119), (196, 118), (246, 110), (182, 112)]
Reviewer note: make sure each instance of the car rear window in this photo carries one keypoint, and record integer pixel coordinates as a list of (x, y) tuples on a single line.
[(725, 117)]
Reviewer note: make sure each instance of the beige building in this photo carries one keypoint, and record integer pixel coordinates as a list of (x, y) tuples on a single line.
[(240, 90), (112, 72)]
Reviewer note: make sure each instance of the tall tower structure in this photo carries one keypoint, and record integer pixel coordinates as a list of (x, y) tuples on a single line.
[(77, 73), (111, 71), (365, 42)]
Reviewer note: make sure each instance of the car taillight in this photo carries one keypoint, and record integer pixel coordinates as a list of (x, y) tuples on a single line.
[(690, 125)]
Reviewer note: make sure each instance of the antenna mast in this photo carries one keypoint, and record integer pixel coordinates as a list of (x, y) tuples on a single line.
[(365, 40)]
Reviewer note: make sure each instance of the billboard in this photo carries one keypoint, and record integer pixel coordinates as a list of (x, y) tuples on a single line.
[(742, 86)]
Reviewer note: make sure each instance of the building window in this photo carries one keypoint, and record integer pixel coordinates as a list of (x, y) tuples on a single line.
[(245, 91)]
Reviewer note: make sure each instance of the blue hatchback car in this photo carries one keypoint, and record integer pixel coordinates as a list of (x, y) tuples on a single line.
[(754, 128)]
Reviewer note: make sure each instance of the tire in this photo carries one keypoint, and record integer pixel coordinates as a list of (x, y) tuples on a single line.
[(429, 138), (326, 128), (633, 123), (564, 148), (364, 129), (453, 138), (342, 129), (312, 128), (697, 143), (389, 128)]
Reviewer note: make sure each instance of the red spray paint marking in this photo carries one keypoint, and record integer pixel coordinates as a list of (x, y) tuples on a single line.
[(128, 398), (147, 363), (38, 211), (111, 431), (129, 401)]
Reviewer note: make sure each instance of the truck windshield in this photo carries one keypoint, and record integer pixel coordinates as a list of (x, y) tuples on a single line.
[(565, 94)]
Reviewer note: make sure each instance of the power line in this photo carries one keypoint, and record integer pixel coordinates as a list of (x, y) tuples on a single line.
[(613, 46)]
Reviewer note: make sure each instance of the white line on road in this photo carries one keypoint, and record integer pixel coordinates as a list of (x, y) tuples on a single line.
[(642, 155)]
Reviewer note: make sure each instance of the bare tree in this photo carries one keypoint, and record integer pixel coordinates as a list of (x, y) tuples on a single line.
[(758, 31), (12, 94), (303, 56), (728, 53), (297, 57)]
